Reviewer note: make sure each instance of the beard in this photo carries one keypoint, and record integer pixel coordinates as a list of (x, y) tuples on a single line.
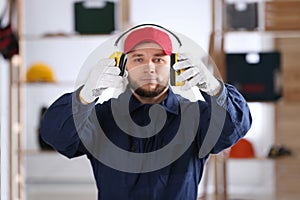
[(147, 91)]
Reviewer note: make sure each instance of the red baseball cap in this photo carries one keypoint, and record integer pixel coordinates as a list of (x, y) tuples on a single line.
[(148, 34)]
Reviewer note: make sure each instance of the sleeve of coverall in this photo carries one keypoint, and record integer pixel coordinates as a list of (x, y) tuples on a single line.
[(229, 119), (58, 125)]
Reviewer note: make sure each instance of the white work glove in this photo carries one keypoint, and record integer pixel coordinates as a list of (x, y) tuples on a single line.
[(102, 76), (197, 75)]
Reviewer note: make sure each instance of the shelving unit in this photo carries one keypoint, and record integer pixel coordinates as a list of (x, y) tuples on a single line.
[(279, 23), (282, 20), (45, 36), (50, 168)]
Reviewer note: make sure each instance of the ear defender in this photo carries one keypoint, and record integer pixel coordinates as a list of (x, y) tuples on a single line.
[(173, 73), (121, 59)]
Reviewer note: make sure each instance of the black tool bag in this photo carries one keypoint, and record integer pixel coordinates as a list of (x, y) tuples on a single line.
[(242, 16), (256, 75), (92, 17)]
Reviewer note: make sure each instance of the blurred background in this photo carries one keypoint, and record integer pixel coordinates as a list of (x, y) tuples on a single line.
[(254, 43)]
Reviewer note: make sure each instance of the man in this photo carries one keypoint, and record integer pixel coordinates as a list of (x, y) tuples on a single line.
[(148, 143)]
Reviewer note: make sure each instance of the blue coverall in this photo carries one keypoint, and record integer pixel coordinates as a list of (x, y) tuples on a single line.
[(178, 180)]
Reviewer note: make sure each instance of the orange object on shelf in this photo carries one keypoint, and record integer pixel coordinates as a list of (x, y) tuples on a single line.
[(242, 149)]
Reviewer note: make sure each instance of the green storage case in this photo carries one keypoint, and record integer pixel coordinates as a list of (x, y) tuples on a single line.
[(94, 19)]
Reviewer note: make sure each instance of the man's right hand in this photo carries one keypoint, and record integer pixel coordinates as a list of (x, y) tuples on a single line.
[(102, 76)]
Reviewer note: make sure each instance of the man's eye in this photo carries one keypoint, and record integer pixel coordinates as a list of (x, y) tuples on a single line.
[(158, 60), (138, 60)]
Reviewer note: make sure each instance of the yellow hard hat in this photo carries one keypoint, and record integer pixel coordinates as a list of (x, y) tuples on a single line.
[(40, 72)]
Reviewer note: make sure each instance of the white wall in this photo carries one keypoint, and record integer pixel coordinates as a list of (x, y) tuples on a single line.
[(190, 17), (4, 128), (4, 123)]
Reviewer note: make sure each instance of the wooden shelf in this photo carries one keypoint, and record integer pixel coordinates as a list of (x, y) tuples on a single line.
[(42, 84), (37, 152), (249, 159), (64, 37)]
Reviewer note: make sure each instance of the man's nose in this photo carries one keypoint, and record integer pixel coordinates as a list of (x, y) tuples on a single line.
[(150, 67)]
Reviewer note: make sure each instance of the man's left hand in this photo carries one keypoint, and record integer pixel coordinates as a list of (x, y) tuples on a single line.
[(197, 75)]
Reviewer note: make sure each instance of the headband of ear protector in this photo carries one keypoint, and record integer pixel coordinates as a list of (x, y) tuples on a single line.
[(121, 57)]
